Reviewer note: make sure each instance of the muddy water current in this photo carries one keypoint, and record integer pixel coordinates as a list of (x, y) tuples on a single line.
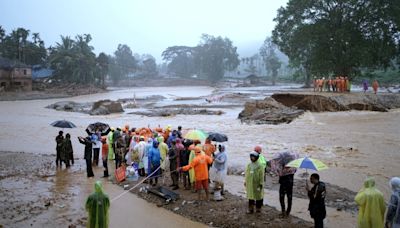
[(353, 144)]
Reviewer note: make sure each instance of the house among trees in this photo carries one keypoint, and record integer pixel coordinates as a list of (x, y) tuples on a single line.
[(253, 79), (15, 75)]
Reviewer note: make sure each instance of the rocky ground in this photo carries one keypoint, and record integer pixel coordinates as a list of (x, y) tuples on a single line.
[(230, 212)]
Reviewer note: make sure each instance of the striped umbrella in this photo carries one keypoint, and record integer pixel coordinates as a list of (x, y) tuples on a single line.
[(307, 163)]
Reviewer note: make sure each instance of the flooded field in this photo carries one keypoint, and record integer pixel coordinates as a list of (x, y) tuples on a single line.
[(354, 144)]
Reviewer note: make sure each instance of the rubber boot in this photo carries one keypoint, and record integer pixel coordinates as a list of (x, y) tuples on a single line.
[(217, 195), (250, 210)]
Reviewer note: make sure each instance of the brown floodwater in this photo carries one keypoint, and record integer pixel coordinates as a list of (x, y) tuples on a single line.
[(354, 144)]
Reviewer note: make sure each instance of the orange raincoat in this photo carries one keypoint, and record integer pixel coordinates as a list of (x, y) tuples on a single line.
[(200, 165)]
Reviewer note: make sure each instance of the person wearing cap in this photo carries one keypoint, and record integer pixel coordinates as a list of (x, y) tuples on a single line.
[(254, 184), (200, 166), (179, 132), (261, 158)]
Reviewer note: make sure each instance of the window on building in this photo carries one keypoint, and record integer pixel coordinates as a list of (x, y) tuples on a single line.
[(24, 72), (3, 84), (17, 83)]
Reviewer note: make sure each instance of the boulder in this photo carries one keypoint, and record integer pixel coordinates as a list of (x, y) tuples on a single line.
[(268, 111), (70, 106), (105, 107)]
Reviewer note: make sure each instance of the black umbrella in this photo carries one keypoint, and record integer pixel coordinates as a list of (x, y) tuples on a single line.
[(63, 124), (98, 126), (279, 162), (217, 137)]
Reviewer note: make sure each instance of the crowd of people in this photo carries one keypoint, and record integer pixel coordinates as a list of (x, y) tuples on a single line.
[(195, 165), (340, 84)]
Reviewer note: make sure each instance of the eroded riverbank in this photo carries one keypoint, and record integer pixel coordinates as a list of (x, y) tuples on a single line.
[(353, 143)]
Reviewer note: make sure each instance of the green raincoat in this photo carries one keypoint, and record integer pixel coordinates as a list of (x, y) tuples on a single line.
[(262, 161), (192, 175), (371, 206), (110, 137), (97, 205), (255, 181)]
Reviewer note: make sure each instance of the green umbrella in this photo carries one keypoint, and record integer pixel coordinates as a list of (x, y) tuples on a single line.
[(196, 135)]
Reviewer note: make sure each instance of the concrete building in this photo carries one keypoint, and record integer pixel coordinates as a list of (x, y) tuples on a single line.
[(15, 76)]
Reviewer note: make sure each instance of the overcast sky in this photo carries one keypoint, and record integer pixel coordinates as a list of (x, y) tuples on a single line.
[(147, 26)]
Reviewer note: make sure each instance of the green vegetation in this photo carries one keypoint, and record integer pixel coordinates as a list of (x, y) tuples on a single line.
[(327, 37), (209, 59)]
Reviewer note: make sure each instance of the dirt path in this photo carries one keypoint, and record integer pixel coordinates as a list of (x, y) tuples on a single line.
[(36, 194)]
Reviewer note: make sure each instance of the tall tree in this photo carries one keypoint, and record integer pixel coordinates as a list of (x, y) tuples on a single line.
[(271, 61), (180, 60), (123, 64), (102, 64), (17, 46), (148, 66), (215, 55), (338, 37), (74, 60)]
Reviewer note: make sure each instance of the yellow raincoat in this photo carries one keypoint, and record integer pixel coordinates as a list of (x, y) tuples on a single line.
[(163, 147), (254, 181), (371, 206)]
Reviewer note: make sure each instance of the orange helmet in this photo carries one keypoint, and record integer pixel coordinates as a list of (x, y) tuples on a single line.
[(258, 149)]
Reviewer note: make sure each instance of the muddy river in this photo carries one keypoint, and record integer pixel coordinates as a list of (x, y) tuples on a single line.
[(354, 144)]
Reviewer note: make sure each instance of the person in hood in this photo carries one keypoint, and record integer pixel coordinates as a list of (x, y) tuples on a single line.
[(365, 85), (67, 150), (393, 210), (88, 154), (155, 162), (173, 155), (163, 147), (371, 205), (375, 86), (172, 137), (97, 206), (146, 160), (254, 184), (59, 142), (111, 145), (140, 149), (317, 196), (200, 166), (104, 156), (184, 160), (218, 171)]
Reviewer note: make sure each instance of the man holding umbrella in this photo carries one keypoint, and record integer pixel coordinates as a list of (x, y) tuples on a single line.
[(286, 179)]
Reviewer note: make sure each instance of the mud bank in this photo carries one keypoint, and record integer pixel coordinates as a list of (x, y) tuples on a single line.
[(330, 102), (285, 107), (178, 111)]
